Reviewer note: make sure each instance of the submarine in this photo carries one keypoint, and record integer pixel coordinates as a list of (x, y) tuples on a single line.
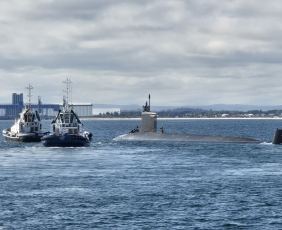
[(148, 132)]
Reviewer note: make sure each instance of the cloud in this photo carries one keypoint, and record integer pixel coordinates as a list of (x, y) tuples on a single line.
[(194, 51)]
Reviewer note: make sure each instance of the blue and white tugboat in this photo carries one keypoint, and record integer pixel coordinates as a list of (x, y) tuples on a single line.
[(67, 128), (28, 127)]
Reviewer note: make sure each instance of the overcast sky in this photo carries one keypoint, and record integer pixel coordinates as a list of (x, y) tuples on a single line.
[(190, 52)]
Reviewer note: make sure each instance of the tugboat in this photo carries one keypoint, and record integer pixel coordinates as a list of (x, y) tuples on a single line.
[(148, 132), (67, 127), (28, 127)]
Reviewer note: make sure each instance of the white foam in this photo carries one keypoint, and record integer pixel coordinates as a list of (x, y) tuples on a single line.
[(266, 143)]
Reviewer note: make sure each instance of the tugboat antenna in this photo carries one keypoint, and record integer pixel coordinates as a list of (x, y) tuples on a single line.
[(68, 91), (149, 102), (29, 88)]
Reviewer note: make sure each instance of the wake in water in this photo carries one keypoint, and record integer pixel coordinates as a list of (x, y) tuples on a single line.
[(266, 143)]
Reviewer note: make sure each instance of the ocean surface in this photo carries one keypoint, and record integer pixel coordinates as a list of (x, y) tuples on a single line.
[(145, 185)]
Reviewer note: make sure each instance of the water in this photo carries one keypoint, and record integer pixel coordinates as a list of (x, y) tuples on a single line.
[(143, 185)]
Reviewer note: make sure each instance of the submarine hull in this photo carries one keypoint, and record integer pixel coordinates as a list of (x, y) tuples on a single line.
[(183, 138), (277, 138)]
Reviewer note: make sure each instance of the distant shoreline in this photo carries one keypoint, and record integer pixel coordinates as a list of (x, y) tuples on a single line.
[(188, 118), (166, 118)]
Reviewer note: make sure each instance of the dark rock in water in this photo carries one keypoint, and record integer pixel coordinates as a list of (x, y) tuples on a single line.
[(277, 139), (183, 138)]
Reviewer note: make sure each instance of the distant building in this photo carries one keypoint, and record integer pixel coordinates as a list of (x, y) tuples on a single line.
[(17, 99), (46, 111), (11, 111), (2, 112), (82, 109), (51, 110)]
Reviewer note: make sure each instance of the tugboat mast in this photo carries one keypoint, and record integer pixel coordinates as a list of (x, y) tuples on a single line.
[(149, 102), (68, 92), (29, 88)]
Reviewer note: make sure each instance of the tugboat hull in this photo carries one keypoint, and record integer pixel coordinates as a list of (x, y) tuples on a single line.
[(66, 140), (30, 137)]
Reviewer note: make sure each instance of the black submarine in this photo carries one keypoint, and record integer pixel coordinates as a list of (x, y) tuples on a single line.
[(148, 132)]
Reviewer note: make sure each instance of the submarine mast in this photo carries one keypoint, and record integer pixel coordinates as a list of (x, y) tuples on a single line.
[(148, 118)]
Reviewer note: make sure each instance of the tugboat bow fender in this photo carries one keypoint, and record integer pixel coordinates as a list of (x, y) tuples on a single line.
[(88, 135)]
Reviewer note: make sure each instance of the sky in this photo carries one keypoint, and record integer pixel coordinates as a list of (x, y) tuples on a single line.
[(190, 52)]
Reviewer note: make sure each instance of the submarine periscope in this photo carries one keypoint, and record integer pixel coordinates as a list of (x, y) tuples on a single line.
[(148, 132)]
